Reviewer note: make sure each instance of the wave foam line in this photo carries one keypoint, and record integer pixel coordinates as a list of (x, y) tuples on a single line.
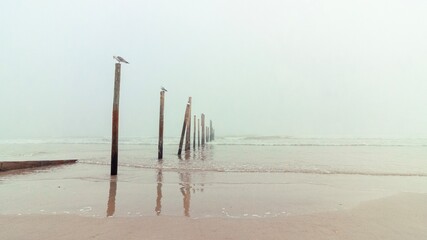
[(263, 170)]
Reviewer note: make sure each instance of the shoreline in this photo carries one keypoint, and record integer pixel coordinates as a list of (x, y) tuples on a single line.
[(402, 216), (172, 201), (88, 190)]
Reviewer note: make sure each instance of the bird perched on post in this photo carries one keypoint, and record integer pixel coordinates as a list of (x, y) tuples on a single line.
[(163, 89), (120, 59)]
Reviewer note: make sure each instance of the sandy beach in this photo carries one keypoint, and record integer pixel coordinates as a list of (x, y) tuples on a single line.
[(219, 192), (65, 203), (402, 216)]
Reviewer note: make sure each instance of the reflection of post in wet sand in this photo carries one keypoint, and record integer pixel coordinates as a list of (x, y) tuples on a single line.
[(158, 208), (111, 206), (206, 152), (185, 176), (185, 179)]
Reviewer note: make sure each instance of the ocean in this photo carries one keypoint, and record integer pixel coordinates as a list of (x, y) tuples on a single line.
[(235, 177), (400, 157)]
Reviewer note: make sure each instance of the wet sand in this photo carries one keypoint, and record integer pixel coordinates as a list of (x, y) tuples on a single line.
[(88, 190), (82, 201), (402, 216)]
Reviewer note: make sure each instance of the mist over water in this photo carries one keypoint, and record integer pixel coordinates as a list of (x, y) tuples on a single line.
[(276, 67)]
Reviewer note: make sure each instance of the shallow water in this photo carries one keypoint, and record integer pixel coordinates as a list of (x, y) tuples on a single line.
[(389, 157)]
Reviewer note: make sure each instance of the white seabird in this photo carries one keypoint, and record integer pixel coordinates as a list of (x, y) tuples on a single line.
[(120, 59), (163, 89)]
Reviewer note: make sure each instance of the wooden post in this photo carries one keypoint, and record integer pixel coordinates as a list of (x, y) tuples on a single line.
[(115, 130), (207, 134), (198, 132), (210, 131), (184, 125), (188, 134), (213, 132), (194, 132), (161, 121), (203, 129)]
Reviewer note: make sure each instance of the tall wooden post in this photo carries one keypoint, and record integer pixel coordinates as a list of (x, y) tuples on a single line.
[(198, 132), (161, 121), (115, 130), (194, 132), (210, 131), (188, 134), (207, 134), (184, 125), (203, 130)]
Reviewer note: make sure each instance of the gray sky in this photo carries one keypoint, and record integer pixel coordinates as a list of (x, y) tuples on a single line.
[(271, 67)]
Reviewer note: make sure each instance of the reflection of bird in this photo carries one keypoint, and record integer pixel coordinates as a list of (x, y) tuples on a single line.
[(120, 59), (163, 89)]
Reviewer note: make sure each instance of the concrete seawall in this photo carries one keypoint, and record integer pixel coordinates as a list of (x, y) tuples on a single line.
[(13, 165)]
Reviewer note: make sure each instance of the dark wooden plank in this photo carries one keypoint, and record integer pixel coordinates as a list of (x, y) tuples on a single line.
[(13, 165)]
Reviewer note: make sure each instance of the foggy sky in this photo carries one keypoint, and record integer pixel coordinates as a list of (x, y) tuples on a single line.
[(277, 67)]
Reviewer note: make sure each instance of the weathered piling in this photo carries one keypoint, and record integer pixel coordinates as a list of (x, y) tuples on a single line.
[(207, 134), (203, 129), (198, 132), (210, 131), (188, 134), (161, 123), (115, 127), (184, 125), (194, 132)]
